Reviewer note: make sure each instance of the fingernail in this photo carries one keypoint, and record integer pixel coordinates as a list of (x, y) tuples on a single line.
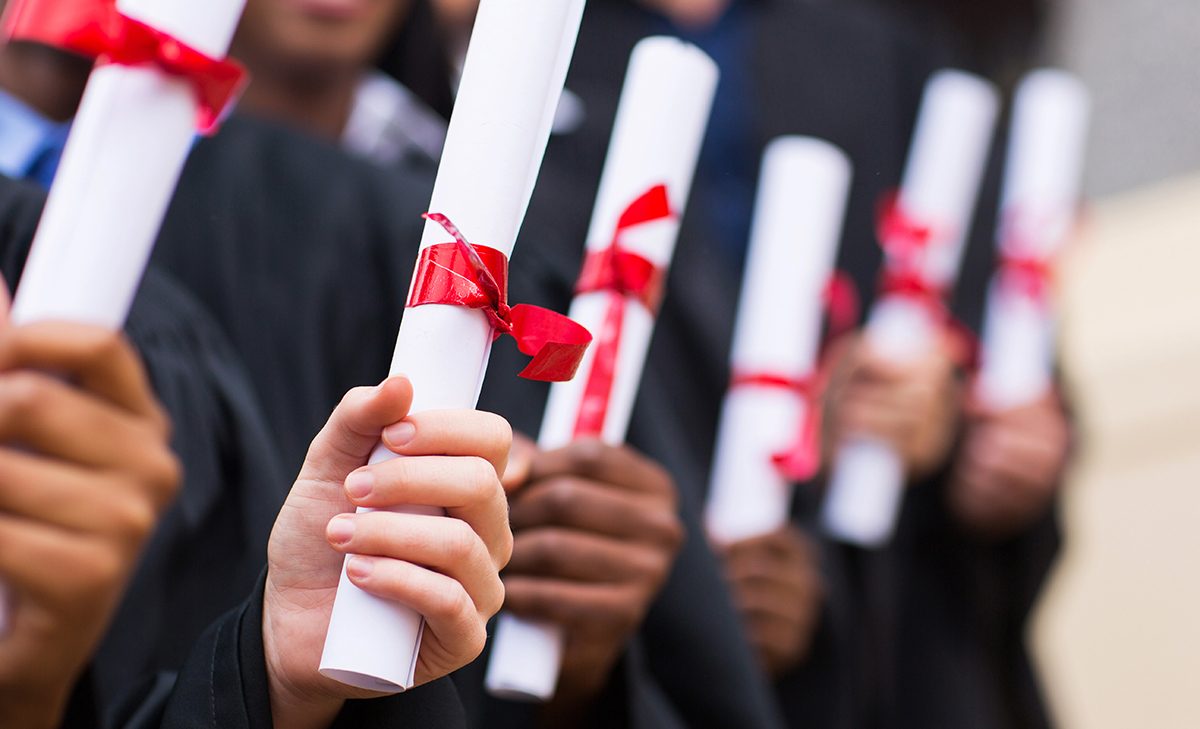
[(400, 434), (341, 529), (360, 567), (359, 484)]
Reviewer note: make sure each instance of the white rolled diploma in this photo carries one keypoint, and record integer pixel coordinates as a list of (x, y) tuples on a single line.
[(802, 195), (941, 183), (512, 79), (659, 129), (127, 147), (1042, 183)]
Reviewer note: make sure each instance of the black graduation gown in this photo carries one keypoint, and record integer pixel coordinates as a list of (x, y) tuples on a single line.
[(308, 268), (209, 549), (906, 640)]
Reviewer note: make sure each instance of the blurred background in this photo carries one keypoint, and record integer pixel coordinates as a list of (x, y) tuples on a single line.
[(1117, 634)]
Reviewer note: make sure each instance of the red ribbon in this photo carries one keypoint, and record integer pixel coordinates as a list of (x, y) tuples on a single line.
[(624, 275), (96, 29), (1019, 268), (905, 241), (461, 274), (801, 460), (1031, 276)]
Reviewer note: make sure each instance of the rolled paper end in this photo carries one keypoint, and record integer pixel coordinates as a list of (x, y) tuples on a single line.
[(372, 643), (865, 494), (526, 659), (556, 343)]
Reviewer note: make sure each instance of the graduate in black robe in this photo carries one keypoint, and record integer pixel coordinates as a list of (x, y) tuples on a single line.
[(921, 634), (208, 553)]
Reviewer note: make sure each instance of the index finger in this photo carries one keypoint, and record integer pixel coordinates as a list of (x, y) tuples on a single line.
[(595, 461), (98, 360), (452, 433)]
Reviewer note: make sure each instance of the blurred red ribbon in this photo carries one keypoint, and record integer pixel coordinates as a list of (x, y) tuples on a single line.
[(624, 275), (96, 29), (801, 459), (461, 274), (905, 241), (1020, 268)]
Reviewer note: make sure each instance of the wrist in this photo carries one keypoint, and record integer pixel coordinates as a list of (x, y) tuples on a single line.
[(32, 710), (292, 705)]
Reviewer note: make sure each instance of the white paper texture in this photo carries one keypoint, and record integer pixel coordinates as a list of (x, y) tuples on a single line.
[(511, 83), (122, 161), (940, 187), (802, 195), (1041, 195), (657, 135)]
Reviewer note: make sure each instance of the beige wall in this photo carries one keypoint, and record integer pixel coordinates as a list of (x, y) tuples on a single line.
[(1118, 633)]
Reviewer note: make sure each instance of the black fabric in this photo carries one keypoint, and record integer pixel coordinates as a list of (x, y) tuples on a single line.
[(310, 281), (923, 634), (304, 256), (210, 546), (223, 685), (211, 543)]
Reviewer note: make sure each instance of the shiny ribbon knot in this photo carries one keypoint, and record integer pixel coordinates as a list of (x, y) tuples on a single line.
[(461, 274), (905, 241), (801, 460), (1020, 268), (96, 29), (1031, 276), (624, 275)]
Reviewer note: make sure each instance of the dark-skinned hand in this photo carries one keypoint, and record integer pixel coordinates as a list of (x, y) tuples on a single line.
[(85, 471), (913, 406), (778, 590), (596, 534), (1009, 467)]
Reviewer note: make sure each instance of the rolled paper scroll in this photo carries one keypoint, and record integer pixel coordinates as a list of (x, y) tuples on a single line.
[(770, 407), (1037, 216), (923, 233), (647, 179), (511, 82), (131, 136)]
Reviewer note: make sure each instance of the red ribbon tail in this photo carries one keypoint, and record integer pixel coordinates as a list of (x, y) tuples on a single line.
[(802, 460), (556, 343)]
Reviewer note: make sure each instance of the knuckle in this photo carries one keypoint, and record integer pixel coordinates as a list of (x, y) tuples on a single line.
[(493, 598), (20, 395), (500, 432), (587, 456), (481, 477), (460, 542), (559, 500), (135, 519)]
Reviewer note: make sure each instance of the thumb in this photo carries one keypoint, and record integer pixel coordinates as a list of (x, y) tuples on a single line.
[(354, 429)]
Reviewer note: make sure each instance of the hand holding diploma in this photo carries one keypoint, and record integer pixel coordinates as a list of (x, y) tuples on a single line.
[(923, 232), (85, 471), (447, 569), (511, 83), (596, 534), (1017, 438), (165, 75), (660, 125)]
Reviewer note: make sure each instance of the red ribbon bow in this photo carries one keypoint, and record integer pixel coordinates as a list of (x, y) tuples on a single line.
[(96, 29), (905, 241), (1031, 276), (461, 274), (1019, 268), (801, 460), (623, 275)]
